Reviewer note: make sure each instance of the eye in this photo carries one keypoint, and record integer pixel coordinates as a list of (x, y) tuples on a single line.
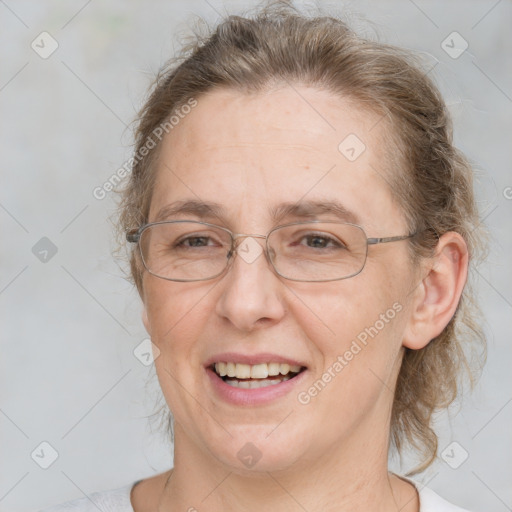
[(318, 241), (193, 241), (198, 240), (321, 241)]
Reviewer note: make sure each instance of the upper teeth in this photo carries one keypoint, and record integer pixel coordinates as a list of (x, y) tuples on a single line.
[(255, 371)]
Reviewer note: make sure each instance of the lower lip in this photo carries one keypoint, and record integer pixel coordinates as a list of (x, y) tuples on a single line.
[(257, 396)]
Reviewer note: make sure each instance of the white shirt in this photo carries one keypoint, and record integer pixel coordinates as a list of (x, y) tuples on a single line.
[(118, 500)]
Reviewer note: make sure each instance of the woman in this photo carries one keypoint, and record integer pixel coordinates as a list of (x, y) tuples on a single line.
[(302, 228)]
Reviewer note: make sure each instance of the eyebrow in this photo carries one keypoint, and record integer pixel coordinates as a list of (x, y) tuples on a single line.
[(313, 209), (201, 209), (309, 210)]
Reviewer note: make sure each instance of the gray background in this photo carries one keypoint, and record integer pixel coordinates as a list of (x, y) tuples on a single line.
[(69, 325)]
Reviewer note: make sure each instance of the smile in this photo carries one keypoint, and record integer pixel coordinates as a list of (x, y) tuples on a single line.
[(246, 376)]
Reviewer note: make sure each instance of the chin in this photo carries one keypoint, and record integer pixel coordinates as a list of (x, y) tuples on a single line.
[(254, 450)]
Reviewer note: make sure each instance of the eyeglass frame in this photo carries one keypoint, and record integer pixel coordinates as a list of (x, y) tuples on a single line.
[(133, 236)]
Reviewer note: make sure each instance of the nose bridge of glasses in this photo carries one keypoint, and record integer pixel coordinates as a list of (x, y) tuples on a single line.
[(238, 239), (237, 236)]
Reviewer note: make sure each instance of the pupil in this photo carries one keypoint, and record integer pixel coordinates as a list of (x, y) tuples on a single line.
[(197, 241), (318, 241)]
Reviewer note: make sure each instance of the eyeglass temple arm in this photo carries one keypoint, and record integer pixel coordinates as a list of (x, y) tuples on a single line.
[(374, 241)]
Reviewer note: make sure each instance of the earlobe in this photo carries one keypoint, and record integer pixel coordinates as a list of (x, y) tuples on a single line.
[(438, 295)]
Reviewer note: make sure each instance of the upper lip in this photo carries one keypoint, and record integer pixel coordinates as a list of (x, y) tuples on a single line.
[(263, 357)]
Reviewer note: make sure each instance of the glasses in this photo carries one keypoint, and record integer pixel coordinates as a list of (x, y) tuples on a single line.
[(314, 251)]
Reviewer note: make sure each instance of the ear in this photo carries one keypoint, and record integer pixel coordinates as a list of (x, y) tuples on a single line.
[(437, 296)]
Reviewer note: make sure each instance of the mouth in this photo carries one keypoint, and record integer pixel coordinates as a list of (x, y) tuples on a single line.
[(247, 376)]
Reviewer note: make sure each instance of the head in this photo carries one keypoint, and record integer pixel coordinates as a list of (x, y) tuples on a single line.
[(260, 114)]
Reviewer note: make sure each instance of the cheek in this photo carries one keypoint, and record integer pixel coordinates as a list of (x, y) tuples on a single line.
[(178, 317), (355, 326), (340, 311), (176, 311), (358, 360)]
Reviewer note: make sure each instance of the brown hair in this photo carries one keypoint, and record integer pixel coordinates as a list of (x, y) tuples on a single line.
[(279, 45)]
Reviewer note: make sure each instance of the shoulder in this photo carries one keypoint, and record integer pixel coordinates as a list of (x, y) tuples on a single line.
[(115, 500), (431, 501), (139, 496), (146, 493)]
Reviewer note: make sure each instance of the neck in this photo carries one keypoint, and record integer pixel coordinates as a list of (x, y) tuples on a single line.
[(354, 478)]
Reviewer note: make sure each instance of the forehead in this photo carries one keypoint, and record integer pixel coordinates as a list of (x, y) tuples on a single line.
[(251, 153)]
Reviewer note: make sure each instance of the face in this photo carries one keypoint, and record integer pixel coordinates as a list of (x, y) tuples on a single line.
[(251, 154)]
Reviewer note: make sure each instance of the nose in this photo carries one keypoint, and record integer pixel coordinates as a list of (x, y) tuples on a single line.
[(251, 292)]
